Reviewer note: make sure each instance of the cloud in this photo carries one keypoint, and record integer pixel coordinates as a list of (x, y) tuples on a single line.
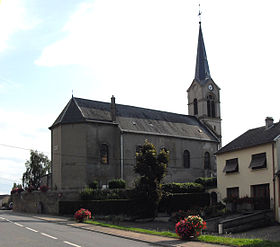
[(19, 133), (13, 18), (7, 85)]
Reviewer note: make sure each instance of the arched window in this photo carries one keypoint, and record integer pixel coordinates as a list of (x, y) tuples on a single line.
[(207, 163), (211, 106), (195, 109), (186, 158), (104, 154)]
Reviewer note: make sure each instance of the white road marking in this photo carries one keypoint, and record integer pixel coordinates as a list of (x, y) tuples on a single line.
[(66, 242), (30, 229), (2, 218), (47, 235), (18, 224), (8, 220)]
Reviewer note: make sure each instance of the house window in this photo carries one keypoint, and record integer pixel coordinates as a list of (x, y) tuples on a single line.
[(207, 163), (258, 161), (186, 158), (211, 106), (195, 109), (233, 193), (231, 166), (104, 154)]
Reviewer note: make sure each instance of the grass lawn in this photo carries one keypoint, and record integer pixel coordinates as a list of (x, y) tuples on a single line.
[(204, 238)]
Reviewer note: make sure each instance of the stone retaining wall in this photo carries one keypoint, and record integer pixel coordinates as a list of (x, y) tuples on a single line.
[(42, 202)]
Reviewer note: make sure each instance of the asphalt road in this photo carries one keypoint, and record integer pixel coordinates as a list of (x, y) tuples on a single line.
[(26, 231)]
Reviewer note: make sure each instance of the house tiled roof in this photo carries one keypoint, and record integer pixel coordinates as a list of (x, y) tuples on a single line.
[(135, 119), (252, 137)]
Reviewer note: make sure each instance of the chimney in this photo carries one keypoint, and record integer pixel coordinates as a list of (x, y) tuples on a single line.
[(113, 108), (268, 122)]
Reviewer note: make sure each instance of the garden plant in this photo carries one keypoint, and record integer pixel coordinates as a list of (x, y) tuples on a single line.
[(190, 227)]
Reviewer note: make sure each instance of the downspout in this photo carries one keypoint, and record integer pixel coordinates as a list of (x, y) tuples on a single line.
[(273, 179), (121, 155)]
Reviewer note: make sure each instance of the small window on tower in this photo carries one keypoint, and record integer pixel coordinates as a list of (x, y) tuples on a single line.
[(195, 108)]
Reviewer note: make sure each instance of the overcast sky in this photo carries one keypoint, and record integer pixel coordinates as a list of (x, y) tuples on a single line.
[(141, 51)]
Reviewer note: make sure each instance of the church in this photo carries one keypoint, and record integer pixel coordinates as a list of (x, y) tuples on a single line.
[(93, 140)]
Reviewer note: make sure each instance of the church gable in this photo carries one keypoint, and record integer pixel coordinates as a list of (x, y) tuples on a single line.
[(71, 113)]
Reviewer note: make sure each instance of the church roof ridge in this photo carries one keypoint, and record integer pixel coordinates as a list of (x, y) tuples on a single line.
[(122, 109)]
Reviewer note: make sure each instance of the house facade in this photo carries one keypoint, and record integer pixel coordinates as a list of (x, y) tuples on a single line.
[(249, 167), (93, 140)]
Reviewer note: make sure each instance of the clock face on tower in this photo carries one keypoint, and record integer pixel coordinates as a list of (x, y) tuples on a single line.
[(210, 87)]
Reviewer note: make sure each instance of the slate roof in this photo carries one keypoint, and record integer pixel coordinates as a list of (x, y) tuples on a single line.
[(135, 119), (252, 137), (202, 71)]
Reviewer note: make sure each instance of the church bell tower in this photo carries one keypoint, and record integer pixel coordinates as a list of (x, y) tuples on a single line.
[(204, 93)]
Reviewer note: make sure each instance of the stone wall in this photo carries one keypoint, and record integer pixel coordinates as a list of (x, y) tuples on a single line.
[(42, 202)]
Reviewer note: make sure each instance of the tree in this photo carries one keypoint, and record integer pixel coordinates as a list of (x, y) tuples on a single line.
[(38, 166), (152, 168)]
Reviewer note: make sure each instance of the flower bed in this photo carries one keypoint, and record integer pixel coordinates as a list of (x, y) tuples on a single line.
[(82, 214), (190, 227)]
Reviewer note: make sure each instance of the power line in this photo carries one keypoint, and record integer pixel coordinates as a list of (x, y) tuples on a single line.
[(16, 147)]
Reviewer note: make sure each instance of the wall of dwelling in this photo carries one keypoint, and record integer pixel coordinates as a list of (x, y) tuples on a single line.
[(246, 177), (176, 170)]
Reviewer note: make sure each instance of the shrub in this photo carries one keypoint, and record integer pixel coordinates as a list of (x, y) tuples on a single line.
[(17, 190), (93, 185), (190, 227), (30, 188), (82, 214), (107, 194), (207, 182), (183, 201), (44, 188), (182, 187), (86, 193), (137, 209), (117, 184)]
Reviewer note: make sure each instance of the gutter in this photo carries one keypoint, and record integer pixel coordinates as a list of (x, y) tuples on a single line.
[(273, 179), (168, 135), (122, 156)]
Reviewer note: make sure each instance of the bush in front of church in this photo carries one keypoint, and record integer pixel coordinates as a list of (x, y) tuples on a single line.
[(117, 184), (152, 168)]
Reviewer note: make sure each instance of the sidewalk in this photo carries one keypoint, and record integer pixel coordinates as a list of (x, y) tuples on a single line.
[(147, 238)]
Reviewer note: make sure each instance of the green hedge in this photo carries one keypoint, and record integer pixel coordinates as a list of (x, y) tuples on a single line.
[(183, 201), (207, 182), (106, 194), (117, 184), (182, 188), (129, 207)]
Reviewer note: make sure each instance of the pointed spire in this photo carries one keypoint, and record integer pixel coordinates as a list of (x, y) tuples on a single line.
[(202, 72)]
